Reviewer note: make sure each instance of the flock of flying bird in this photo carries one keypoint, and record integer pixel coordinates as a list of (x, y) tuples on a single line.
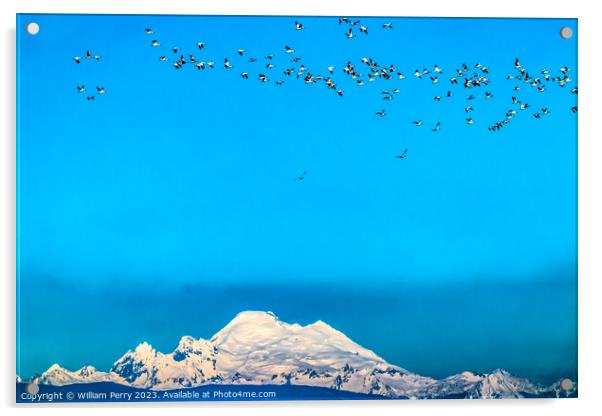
[(472, 79), (81, 89)]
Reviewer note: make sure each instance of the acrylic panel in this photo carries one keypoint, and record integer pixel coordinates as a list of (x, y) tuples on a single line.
[(295, 208)]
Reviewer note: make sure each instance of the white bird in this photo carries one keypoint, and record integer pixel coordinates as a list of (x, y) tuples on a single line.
[(155, 43), (288, 49), (81, 89), (298, 26), (417, 123), (163, 58), (149, 31), (241, 52), (227, 64), (364, 29), (437, 127), (469, 121), (331, 69), (349, 34), (200, 45), (101, 90), (388, 25)]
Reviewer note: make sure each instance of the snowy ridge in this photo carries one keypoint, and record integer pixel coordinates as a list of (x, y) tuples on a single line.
[(258, 348), (59, 376)]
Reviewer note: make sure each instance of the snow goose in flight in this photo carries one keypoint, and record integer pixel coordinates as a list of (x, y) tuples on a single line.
[(403, 154)]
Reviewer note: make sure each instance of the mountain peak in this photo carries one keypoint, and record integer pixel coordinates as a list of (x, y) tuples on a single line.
[(54, 367), (324, 328), (254, 317), (86, 371), (248, 325), (186, 341), (144, 351), (500, 372)]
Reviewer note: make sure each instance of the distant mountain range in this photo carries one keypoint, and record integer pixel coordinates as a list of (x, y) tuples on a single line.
[(256, 348)]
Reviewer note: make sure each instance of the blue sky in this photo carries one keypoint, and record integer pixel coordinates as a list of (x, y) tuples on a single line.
[(167, 205)]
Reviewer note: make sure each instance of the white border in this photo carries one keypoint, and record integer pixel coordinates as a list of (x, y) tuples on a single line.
[(590, 206)]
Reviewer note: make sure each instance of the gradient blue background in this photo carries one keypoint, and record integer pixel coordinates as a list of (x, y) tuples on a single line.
[(167, 206)]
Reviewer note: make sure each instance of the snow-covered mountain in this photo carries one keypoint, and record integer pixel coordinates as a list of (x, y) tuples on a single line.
[(58, 376), (258, 348)]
